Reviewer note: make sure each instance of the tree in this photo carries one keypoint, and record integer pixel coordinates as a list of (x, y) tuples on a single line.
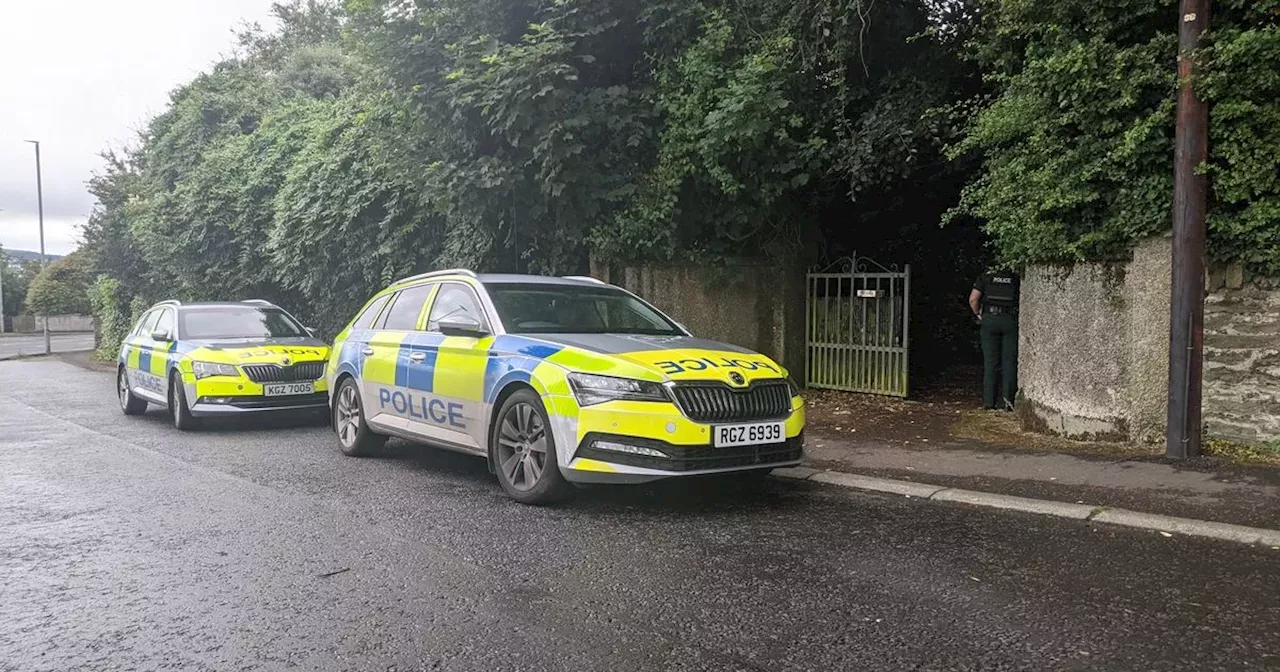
[(776, 112), (62, 288), (526, 120), (1076, 142), (16, 279), (366, 141)]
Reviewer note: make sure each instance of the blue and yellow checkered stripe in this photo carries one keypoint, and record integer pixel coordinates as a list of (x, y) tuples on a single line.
[(485, 366)]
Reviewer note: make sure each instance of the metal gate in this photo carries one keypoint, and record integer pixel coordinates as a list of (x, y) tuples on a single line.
[(858, 315)]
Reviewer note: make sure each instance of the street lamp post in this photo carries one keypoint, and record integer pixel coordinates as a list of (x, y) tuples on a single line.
[(48, 348), (4, 263)]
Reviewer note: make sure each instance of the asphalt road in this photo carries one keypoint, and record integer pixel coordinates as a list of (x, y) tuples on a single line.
[(12, 345), (127, 545)]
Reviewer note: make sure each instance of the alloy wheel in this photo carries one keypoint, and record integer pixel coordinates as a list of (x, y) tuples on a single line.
[(522, 446), (122, 389), (348, 421)]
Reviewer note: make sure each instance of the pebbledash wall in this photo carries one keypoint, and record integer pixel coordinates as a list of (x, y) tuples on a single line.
[(753, 304), (1094, 340)]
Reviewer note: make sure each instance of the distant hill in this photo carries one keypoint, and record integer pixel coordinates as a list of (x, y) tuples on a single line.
[(16, 256)]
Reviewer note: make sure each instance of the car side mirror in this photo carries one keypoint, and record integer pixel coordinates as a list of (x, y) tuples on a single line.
[(461, 325), (310, 331), (161, 335)]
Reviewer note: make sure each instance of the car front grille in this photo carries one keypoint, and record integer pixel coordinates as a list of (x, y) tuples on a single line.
[(274, 373), (717, 402)]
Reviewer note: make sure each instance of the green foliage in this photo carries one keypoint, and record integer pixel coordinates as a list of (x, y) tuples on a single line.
[(774, 110), (112, 313), (16, 280), (61, 288), (524, 120), (346, 220), (1268, 453), (312, 169), (1077, 142), (1243, 86), (379, 138), (363, 142)]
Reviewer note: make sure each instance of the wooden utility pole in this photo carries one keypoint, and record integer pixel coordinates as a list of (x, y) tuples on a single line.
[(1190, 193)]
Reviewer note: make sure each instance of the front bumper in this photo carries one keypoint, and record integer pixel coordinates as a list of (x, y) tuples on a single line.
[(693, 459), (227, 395), (236, 405), (684, 445)]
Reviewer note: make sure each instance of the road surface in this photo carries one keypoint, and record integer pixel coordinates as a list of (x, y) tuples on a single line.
[(125, 544), (14, 345)]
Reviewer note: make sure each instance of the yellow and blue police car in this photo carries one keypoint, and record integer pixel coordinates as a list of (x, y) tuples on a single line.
[(217, 359), (556, 381)]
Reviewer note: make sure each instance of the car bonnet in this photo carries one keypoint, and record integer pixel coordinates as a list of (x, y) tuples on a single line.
[(679, 358), (283, 351)]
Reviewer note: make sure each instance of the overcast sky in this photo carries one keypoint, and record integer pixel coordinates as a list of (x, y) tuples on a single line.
[(84, 75)]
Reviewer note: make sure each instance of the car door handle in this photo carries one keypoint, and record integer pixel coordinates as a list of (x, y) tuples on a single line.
[(368, 352), (417, 356)]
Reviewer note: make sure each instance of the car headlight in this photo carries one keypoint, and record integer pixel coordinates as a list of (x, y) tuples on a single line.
[(795, 387), (591, 389), (207, 369)]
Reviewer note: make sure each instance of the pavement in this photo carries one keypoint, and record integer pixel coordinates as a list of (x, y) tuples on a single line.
[(125, 544), (1207, 489), (21, 345)]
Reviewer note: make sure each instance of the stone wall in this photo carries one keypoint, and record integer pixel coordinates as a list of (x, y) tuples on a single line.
[(1093, 347), (755, 305), (1094, 342), (30, 324), (1242, 357)]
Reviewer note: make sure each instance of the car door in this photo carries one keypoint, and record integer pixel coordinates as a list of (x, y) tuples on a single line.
[(130, 351), (159, 349), (138, 359), (457, 401), (387, 399), (350, 357)]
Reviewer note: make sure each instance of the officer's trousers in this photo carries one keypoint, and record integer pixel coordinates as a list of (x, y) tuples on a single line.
[(999, 348)]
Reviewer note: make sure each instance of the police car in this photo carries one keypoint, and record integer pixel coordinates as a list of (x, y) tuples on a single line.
[(217, 359), (556, 381)]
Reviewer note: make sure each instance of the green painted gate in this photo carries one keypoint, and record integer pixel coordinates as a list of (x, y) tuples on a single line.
[(858, 317)]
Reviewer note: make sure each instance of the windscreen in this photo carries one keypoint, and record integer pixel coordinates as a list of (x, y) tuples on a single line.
[(216, 322), (536, 308)]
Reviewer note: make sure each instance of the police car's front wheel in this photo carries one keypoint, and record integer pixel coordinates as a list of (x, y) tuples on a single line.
[(178, 408), (129, 404), (524, 451), (355, 438)]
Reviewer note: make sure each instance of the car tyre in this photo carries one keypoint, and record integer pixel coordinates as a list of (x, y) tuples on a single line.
[(355, 437), (178, 408), (524, 451), (129, 404)]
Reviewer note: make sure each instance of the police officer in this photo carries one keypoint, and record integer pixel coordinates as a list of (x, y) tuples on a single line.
[(994, 300)]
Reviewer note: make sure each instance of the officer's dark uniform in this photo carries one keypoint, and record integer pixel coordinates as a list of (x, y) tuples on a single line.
[(999, 336)]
